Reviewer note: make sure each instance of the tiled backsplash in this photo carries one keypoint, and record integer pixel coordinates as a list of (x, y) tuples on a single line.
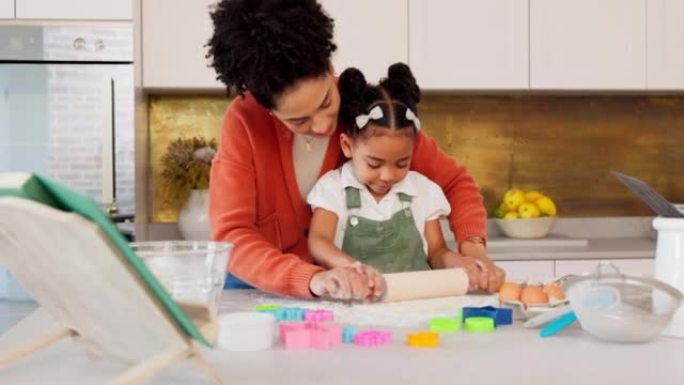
[(564, 146)]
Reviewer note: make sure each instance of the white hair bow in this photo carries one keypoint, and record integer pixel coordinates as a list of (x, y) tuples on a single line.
[(411, 116), (375, 113)]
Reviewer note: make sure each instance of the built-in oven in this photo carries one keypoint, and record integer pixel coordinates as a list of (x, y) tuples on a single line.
[(66, 111), (66, 108)]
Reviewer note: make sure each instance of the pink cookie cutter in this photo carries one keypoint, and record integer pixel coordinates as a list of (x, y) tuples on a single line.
[(310, 335), (319, 316), (372, 338)]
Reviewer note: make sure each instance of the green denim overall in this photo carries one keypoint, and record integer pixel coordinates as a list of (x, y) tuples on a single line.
[(389, 246)]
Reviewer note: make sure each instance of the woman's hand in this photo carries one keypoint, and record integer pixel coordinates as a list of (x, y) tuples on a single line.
[(482, 273), (354, 282)]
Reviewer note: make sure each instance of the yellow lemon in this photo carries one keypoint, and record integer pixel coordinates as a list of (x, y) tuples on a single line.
[(533, 195), (504, 207), (528, 210), (511, 215), (513, 198), (546, 206)]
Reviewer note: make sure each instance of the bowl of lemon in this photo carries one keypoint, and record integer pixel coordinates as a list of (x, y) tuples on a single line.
[(525, 214)]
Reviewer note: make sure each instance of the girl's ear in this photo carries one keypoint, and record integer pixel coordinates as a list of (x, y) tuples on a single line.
[(346, 144)]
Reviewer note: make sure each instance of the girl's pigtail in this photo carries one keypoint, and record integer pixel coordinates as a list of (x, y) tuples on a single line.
[(402, 84), (353, 86)]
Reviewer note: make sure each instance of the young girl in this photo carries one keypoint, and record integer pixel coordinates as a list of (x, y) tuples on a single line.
[(374, 210)]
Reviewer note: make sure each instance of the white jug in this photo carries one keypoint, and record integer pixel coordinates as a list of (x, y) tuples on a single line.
[(669, 264)]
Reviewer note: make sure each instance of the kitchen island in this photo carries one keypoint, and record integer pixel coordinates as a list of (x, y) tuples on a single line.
[(510, 355)]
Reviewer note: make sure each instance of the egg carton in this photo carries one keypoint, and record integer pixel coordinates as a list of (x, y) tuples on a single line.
[(523, 312)]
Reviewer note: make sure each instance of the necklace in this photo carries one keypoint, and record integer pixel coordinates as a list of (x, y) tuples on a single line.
[(308, 143)]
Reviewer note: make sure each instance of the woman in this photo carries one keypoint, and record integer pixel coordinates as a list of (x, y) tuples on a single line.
[(281, 134)]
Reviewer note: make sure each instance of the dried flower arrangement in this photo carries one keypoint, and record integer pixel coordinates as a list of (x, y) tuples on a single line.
[(186, 166)]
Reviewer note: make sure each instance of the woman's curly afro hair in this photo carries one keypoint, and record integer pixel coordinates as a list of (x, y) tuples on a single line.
[(266, 46)]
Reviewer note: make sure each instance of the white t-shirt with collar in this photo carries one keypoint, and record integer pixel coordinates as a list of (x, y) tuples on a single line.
[(428, 202)]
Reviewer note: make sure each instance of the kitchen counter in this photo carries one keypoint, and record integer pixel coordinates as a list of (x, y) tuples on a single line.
[(511, 355), (575, 239), (602, 238), (597, 248)]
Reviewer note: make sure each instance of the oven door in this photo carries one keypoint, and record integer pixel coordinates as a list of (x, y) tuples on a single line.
[(71, 122)]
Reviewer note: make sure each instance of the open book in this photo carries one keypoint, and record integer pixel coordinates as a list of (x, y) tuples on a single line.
[(68, 255)]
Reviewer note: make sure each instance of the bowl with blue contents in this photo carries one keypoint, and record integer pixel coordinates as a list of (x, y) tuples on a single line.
[(620, 307)]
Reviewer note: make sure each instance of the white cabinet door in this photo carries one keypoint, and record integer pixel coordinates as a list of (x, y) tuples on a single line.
[(643, 267), (523, 271), (665, 44), (75, 9), (174, 33), (588, 44), (6, 9), (467, 44), (370, 35)]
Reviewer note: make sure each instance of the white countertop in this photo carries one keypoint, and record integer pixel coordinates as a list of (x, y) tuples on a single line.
[(511, 355), (575, 239), (597, 248)]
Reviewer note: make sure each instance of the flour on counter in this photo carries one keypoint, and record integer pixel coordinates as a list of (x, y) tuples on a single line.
[(395, 314)]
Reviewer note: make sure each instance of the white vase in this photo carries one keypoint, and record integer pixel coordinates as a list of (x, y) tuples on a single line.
[(193, 219)]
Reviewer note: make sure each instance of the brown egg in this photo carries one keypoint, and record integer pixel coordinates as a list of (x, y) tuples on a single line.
[(533, 295), (555, 291), (509, 291)]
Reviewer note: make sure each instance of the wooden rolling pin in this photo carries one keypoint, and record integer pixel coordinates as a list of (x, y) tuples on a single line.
[(425, 284)]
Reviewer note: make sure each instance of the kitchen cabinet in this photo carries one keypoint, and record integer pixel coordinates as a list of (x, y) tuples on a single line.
[(6, 9), (465, 44), (370, 35), (588, 44), (174, 58), (75, 9), (522, 271), (456, 44), (174, 34), (640, 266), (665, 44)]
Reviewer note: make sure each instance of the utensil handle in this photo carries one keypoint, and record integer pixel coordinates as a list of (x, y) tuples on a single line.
[(561, 323), (547, 317)]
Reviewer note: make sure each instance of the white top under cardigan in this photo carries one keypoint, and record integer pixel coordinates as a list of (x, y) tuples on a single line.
[(308, 161)]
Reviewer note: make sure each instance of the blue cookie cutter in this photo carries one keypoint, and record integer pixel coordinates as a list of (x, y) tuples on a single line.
[(501, 316)]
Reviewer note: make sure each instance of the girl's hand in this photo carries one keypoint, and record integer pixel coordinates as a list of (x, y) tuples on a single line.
[(375, 280), (483, 274), (493, 276), (472, 267), (341, 283)]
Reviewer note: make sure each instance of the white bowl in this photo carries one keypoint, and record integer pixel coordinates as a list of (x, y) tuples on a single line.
[(526, 228), (622, 308), (244, 332)]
